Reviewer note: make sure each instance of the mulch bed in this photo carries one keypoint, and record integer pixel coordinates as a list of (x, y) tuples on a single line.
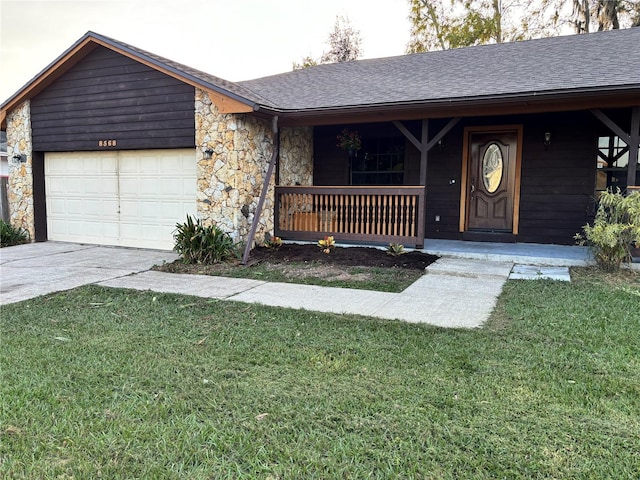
[(341, 256)]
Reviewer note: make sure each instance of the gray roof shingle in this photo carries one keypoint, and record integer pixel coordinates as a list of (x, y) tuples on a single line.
[(596, 61)]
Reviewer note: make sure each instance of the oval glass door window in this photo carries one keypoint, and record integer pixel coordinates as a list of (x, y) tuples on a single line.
[(492, 168)]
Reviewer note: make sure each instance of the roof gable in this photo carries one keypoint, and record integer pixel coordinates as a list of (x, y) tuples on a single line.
[(228, 96)]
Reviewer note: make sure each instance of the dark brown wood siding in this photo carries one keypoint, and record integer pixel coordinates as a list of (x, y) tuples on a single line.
[(444, 167), (39, 202), (108, 97), (557, 184)]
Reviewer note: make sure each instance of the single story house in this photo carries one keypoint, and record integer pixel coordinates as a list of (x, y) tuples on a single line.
[(511, 142)]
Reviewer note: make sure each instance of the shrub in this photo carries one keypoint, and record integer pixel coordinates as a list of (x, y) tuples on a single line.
[(615, 228), (395, 249), (10, 235), (197, 243), (326, 244), (273, 243)]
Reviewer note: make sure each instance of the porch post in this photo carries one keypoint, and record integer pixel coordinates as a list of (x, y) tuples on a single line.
[(424, 145), (424, 151), (424, 156), (634, 137), (265, 188)]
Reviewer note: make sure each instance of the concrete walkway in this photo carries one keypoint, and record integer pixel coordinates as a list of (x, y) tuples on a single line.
[(454, 292)]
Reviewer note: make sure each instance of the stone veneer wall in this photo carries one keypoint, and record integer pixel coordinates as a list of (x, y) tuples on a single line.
[(230, 182), (20, 185), (296, 156)]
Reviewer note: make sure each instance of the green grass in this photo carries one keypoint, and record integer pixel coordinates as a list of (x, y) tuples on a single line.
[(105, 383)]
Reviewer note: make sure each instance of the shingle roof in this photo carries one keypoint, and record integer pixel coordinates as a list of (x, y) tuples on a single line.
[(602, 61), (596, 62)]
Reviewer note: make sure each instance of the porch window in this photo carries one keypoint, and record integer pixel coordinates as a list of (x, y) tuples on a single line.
[(613, 159), (379, 162)]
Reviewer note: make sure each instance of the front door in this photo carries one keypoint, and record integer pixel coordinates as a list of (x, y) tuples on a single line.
[(492, 180)]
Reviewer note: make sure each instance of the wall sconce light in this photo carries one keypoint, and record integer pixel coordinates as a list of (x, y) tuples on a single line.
[(441, 144), (18, 158), (208, 153), (547, 140)]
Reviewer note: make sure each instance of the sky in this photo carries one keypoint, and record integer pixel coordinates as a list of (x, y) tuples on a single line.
[(232, 39)]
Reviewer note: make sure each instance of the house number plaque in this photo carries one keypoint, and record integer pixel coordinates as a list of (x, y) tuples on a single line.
[(107, 143)]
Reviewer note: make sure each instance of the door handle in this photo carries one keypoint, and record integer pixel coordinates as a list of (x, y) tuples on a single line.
[(473, 186)]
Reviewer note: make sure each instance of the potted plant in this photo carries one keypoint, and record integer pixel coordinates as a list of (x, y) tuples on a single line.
[(350, 141)]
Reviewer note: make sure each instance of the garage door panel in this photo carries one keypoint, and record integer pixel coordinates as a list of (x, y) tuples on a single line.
[(171, 189), (100, 209), (175, 210), (56, 186), (121, 198), (151, 187)]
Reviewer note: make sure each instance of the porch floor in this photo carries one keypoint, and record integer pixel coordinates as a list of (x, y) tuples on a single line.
[(521, 253)]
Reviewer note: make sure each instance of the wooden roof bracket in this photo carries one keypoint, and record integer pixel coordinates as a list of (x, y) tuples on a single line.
[(265, 188), (632, 139), (423, 147), (429, 145)]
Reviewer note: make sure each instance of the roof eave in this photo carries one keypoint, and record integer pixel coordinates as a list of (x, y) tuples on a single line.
[(525, 102)]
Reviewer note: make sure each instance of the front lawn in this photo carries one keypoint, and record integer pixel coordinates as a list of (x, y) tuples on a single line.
[(106, 383)]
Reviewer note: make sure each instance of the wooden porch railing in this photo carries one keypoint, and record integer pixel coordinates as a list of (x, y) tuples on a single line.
[(373, 214)]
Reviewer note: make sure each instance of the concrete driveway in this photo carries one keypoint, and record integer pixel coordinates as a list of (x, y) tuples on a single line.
[(34, 269)]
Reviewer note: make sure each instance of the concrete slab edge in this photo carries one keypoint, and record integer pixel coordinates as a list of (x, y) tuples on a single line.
[(524, 259)]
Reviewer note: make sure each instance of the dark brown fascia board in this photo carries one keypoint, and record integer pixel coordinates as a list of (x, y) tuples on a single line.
[(83, 47), (467, 107)]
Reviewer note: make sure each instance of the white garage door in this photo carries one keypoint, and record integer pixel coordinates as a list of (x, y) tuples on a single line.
[(126, 198)]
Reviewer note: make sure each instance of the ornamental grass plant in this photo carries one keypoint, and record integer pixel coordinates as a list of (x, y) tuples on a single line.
[(10, 235), (197, 243), (615, 229)]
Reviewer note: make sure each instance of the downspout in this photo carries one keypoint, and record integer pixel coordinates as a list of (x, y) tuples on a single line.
[(265, 188)]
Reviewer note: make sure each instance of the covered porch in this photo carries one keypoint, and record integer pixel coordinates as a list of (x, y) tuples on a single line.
[(520, 158), (432, 185)]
